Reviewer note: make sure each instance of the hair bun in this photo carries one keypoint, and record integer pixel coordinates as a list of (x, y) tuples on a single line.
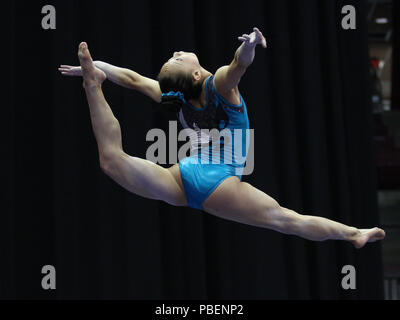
[(171, 103), (171, 100)]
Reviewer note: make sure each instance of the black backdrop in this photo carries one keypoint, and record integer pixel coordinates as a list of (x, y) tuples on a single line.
[(308, 101), (395, 104)]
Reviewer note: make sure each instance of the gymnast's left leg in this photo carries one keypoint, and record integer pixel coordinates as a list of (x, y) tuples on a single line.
[(241, 202), (139, 176)]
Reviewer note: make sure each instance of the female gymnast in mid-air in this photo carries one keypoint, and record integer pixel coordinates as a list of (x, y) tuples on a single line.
[(203, 101)]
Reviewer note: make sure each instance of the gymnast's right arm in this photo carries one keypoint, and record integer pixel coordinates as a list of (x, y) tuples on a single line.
[(227, 78), (121, 76)]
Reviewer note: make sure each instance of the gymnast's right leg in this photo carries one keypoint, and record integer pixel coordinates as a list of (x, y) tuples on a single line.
[(241, 202), (139, 176)]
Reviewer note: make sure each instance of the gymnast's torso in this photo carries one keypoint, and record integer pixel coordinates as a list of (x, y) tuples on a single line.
[(219, 140)]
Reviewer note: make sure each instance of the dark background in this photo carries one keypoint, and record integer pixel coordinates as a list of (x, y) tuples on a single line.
[(308, 101), (396, 53)]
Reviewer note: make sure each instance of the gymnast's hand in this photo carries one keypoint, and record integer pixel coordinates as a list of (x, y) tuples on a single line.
[(70, 70), (254, 39)]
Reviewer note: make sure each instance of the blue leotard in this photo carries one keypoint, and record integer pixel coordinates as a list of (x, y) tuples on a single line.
[(213, 161)]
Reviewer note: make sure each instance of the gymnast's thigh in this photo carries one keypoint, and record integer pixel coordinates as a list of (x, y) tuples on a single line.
[(239, 201), (146, 179)]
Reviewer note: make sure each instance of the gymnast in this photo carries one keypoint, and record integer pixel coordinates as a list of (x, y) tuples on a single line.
[(202, 100)]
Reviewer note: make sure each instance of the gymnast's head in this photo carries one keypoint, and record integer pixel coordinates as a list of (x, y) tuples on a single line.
[(182, 73)]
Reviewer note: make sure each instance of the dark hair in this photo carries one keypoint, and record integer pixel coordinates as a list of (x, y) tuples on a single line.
[(183, 83)]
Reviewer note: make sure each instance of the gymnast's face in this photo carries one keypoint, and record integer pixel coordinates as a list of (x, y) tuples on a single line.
[(182, 62)]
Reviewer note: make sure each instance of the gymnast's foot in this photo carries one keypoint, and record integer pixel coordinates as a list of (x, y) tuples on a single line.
[(368, 235), (92, 77)]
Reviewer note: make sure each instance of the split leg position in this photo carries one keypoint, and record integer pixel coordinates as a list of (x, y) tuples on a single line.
[(232, 200)]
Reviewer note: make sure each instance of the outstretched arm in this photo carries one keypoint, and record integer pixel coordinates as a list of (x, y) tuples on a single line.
[(121, 76), (227, 78)]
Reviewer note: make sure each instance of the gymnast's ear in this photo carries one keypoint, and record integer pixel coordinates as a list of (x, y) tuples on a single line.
[(196, 74)]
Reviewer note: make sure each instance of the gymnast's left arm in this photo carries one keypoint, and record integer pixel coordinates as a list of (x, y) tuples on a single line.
[(227, 78)]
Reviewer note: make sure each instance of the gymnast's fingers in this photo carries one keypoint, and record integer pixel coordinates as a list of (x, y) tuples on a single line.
[(264, 42)]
